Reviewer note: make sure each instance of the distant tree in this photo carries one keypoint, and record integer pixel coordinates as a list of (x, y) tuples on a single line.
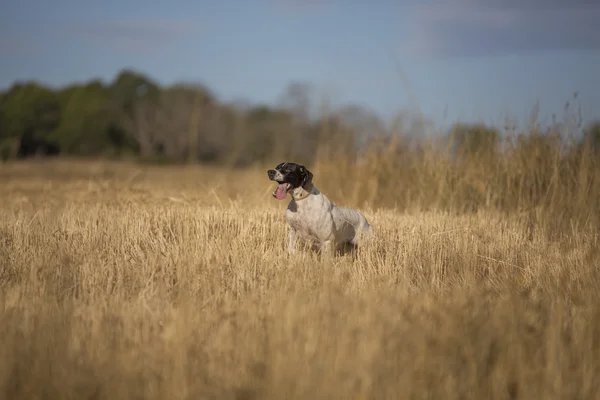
[(365, 123), (591, 136), (269, 134), (336, 138), (5, 142), (188, 109), (474, 139), (173, 123), (128, 91), (29, 114), (86, 120), (129, 87), (297, 99)]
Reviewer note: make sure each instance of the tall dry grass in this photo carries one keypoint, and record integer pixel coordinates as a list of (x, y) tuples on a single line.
[(128, 281)]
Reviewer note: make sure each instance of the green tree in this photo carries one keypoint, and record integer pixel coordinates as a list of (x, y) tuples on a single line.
[(86, 120), (129, 91), (129, 87), (29, 114)]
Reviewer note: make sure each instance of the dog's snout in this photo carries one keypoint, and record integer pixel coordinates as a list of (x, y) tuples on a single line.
[(271, 173)]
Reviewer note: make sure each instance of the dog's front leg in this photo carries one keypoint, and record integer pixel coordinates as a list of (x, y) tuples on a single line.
[(292, 241), (327, 248)]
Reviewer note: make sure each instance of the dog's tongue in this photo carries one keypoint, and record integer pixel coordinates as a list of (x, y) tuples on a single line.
[(281, 191)]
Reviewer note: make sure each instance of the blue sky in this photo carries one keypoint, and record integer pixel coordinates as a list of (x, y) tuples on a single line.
[(451, 59)]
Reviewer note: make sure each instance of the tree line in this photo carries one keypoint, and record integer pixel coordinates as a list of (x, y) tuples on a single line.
[(133, 116)]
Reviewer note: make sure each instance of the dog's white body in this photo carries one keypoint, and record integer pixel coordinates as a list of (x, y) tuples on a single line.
[(316, 221)]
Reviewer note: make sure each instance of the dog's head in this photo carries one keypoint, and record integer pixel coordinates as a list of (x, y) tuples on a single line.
[(289, 176)]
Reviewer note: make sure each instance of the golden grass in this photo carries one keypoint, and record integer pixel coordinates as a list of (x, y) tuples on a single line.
[(120, 281)]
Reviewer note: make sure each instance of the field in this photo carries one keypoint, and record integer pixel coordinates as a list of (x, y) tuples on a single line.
[(123, 281)]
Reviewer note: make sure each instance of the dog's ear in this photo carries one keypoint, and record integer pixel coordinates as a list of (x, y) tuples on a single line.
[(306, 175)]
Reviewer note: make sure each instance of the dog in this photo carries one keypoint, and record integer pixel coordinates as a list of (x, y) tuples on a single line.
[(312, 217)]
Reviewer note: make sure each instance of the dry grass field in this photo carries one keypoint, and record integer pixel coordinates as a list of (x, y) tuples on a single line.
[(121, 281)]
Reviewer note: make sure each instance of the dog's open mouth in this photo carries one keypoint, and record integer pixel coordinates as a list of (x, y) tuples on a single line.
[(281, 192)]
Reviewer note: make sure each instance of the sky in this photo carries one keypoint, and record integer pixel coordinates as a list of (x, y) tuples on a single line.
[(451, 60)]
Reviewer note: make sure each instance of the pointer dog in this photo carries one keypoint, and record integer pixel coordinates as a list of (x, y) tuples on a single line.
[(312, 217)]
